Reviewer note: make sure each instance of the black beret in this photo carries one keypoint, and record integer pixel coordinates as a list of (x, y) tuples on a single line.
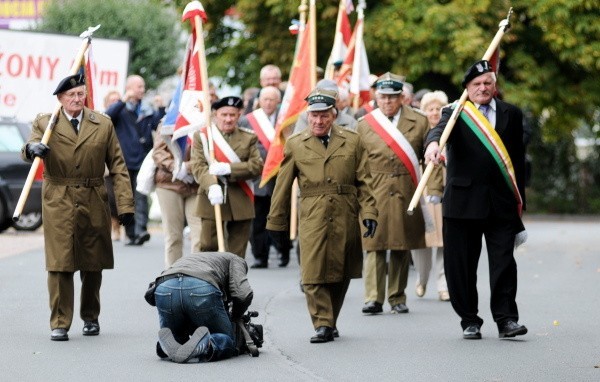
[(477, 69), (69, 83), (228, 101)]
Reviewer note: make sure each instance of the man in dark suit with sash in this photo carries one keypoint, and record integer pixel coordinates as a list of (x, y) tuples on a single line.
[(484, 196)]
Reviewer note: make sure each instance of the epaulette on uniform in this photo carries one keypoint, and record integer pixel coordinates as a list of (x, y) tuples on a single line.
[(101, 113), (42, 115), (246, 130)]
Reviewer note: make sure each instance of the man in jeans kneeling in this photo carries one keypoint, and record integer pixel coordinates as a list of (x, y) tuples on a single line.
[(192, 297)]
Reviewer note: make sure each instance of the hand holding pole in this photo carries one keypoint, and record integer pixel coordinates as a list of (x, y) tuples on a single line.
[(87, 40), (502, 29)]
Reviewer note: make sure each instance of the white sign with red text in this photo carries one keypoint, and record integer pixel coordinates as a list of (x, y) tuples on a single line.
[(32, 64)]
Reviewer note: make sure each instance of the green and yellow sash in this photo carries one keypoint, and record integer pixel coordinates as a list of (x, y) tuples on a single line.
[(490, 139)]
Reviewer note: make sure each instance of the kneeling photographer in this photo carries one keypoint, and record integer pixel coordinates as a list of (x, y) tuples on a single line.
[(199, 298)]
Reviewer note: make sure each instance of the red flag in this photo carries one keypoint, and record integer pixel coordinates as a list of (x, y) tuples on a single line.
[(185, 114), (343, 34), (354, 73), (359, 83), (87, 65), (299, 86)]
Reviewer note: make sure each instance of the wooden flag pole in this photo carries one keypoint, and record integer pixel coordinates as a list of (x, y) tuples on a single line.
[(87, 40), (357, 52), (502, 29), (206, 108)]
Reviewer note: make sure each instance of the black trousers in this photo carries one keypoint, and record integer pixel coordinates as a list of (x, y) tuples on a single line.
[(260, 240), (462, 248)]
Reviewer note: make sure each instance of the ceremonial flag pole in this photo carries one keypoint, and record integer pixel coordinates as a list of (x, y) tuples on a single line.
[(312, 22), (77, 62), (503, 27), (359, 82), (195, 10)]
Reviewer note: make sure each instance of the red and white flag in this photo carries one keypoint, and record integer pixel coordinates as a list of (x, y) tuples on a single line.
[(343, 34), (185, 115), (355, 71)]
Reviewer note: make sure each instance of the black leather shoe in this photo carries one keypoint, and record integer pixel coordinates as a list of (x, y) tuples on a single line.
[(336, 333), (59, 334), (142, 238), (323, 334), (131, 241), (510, 329), (372, 307), (91, 328), (260, 265), (400, 308), (472, 332), (284, 261)]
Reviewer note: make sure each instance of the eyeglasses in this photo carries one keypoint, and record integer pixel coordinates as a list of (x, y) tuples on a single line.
[(74, 95)]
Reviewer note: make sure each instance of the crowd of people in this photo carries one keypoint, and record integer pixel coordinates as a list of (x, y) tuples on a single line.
[(356, 171)]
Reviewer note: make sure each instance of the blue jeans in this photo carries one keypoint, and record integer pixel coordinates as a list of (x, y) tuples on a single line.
[(186, 303)]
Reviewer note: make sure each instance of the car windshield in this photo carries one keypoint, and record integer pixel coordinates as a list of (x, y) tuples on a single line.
[(10, 139)]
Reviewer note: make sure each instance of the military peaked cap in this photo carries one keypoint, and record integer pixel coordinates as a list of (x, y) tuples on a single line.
[(389, 83), (321, 99)]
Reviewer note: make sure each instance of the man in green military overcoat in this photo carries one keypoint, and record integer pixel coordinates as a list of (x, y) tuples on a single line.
[(75, 204)]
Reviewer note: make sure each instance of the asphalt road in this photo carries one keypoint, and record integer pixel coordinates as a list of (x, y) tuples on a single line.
[(558, 298)]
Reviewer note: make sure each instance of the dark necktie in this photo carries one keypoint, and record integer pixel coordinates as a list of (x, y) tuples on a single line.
[(325, 140), (484, 110), (391, 118), (75, 122)]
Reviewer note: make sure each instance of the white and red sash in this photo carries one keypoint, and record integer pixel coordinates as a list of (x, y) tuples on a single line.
[(224, 153), (392, 137), (262, 126), (396, 141)]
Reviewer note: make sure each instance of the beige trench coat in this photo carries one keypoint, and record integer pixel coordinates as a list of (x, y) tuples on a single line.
[(334, 189), (238, 205), (76, 216), (393, 187)]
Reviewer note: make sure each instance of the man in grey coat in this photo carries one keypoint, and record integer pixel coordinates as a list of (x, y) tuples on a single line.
[(192, 298)]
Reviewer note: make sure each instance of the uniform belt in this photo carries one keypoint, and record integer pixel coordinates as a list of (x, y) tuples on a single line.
[(85, 182), (162, 279), (328, 190)]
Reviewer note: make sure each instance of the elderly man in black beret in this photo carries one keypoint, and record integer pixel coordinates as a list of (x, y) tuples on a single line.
[(227, 180), (76, 215), (484, 196)]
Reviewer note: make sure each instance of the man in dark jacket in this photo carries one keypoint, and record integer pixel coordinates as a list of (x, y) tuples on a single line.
[(190, 299), (134, 122), (484, 196)]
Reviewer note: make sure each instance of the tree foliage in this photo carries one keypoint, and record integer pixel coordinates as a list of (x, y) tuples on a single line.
[(550, 65), (151, 28)]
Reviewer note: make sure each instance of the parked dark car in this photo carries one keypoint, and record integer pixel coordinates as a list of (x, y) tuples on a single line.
[(13, 173)]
